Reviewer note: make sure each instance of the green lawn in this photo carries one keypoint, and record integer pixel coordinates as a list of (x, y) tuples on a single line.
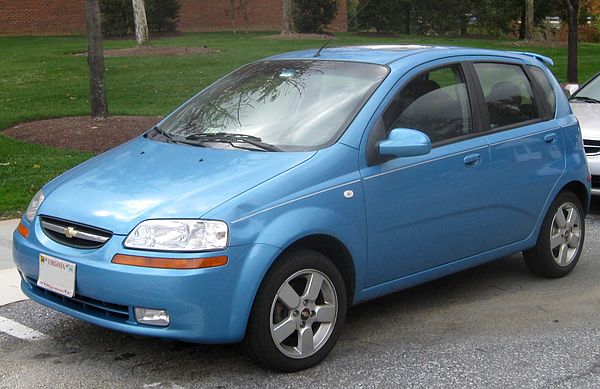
[(40, 78)]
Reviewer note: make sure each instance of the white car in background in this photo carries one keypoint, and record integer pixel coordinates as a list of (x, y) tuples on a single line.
[(586, 106)]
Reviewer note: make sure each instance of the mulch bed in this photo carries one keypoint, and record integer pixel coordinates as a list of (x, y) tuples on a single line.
[(152, 51), (82, 132)]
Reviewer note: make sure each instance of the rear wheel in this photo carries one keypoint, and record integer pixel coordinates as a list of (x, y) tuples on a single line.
[(298, 312), (561, 238)]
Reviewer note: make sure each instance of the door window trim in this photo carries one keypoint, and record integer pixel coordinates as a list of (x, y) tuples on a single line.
[(378, 132), (549, 113), (542, 109)]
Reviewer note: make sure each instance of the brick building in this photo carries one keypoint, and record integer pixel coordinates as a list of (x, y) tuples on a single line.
[(67, 17)]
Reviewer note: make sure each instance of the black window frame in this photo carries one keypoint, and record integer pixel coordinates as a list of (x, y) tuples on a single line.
[(540, 104), (549, 112), (379, 132)]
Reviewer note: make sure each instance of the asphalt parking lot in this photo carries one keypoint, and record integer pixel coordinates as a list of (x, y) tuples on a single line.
[(496, 325)]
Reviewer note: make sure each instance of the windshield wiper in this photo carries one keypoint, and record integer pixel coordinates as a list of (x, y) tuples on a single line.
[(586, 99), (229, 137), (172, 138), (217, 137)]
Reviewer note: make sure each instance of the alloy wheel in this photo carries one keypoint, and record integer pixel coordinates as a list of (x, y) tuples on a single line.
[(303, 313), (565, 234)]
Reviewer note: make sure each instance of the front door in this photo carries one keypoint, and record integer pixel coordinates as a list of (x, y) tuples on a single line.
[(430, 210)]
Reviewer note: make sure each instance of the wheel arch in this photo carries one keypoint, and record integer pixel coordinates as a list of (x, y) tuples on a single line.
[(580, 190), (333, 249)]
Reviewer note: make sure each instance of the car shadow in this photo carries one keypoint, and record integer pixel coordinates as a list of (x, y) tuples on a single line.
[(595, 206), (478, 284)]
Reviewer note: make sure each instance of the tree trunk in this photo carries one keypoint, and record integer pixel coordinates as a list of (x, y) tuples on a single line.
[(530, 23), (232, 5), (141, 24), (288, 24), (465, 11), (407, 19), (523, 22), (572, 73), (95, 60), (464, 23), (244, 11)]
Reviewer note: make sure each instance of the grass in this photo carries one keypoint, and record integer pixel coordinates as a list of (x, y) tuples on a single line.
[(27, 168), (40, 78)]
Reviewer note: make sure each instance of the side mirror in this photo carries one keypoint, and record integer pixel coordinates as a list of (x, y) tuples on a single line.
[(570, 89), (405, 142)]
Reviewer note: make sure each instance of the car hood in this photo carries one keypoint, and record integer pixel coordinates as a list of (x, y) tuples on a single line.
[(589, 119), (145, 179)]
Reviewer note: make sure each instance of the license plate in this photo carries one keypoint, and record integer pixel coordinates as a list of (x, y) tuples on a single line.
[(57, 275)]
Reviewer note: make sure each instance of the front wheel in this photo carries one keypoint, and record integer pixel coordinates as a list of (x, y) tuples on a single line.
[(561, 238), (298, 312)]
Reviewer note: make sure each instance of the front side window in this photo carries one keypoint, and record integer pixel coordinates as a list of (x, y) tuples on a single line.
[(508, 94), (291, 105), (435, 102)]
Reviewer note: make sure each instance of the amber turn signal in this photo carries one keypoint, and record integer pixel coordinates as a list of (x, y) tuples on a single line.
[(23, 230), (169, 263)]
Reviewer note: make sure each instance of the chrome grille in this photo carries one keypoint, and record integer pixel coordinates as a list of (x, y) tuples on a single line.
[(74, 234), (592, 147)]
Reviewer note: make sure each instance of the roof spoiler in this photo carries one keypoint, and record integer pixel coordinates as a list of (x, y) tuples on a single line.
[(548, 61)]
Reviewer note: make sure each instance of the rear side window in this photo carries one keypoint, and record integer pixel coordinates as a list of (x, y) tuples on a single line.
[(508, 94), (546, 86), (435, 102)]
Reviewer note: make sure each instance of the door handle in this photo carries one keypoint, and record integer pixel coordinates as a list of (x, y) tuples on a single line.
[(550, 138), (472, 160)]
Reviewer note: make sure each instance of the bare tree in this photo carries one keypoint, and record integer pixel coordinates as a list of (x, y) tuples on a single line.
[(572, 73), (232, 5), (243, 6), (288, 19), (244, 9), (141, 24), (529, 21), (96, 60)]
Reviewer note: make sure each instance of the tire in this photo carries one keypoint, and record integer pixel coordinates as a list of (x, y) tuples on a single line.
[(293, 326), (561, 238)]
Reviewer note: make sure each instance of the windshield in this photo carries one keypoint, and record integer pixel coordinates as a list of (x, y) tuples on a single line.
[(290, 105), (589, 91)]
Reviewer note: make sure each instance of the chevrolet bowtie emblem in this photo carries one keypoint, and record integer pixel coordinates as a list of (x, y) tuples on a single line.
[(70, 232)]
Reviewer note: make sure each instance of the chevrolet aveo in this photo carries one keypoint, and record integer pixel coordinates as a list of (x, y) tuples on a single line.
[(304, 183)]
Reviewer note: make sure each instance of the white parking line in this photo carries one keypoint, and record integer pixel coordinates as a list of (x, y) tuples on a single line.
[(20, 331)]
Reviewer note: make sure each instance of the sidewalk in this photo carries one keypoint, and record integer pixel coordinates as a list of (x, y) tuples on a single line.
[(9, 278)]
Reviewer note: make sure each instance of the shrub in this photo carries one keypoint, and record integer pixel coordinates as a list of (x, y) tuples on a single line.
[(314, 15), (384, 15), (117, 16), (352, 16), (163, 15)]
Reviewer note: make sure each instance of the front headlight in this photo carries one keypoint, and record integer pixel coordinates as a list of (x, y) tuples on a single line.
[(178, 235), (34, 205)]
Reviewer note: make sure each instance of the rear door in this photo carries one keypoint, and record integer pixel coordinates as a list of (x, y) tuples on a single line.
[(526, 144)]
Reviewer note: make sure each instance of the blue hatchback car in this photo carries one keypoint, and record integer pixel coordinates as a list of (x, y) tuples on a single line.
[(304, 183)]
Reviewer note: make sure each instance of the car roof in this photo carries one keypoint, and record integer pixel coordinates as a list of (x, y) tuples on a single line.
[(388, 54)]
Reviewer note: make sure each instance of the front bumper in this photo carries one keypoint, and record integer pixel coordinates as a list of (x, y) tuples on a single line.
[(209, 305)]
